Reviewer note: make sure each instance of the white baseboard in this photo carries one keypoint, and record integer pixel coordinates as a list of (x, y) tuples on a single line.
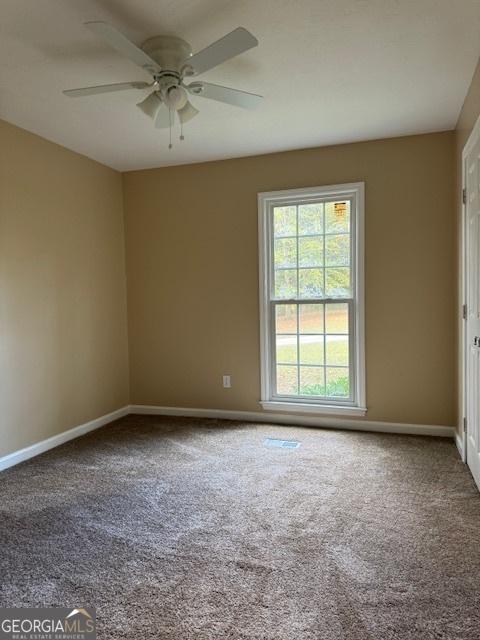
[(223, 414), (459, 441), (309, 421), (40, 447)]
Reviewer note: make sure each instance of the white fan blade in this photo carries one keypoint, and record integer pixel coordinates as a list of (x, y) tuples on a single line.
[(225, 94), (105, 88), (122, 44), (229, 46), (151, 105), (165, 117), (187, 112)]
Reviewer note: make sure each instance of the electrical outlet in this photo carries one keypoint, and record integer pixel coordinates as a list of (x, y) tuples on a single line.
[(227, 382)]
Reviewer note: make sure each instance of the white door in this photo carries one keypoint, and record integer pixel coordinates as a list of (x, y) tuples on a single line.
[(472, 295)]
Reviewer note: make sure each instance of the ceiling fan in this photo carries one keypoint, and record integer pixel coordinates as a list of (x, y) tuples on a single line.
[(169, 61)]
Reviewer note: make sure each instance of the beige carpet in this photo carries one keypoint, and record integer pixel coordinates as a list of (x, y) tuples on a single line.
[(180, 529)]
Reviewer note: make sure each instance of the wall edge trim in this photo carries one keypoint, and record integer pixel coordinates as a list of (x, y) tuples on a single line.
[(311, 421), (37, 448), (459, 441)]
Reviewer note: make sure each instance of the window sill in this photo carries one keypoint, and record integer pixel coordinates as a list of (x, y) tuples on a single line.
[(319, 409)]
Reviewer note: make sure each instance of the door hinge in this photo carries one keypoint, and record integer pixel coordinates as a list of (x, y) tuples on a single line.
[(464, 196), (464, 311), (465, 425)]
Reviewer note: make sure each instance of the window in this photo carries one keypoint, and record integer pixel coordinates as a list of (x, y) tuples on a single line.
[(311, 290)]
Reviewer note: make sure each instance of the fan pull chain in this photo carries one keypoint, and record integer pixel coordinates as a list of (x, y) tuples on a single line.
[(170, 119), (181, 131)]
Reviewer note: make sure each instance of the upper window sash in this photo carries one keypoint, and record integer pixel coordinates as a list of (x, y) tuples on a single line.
[(295, 238)]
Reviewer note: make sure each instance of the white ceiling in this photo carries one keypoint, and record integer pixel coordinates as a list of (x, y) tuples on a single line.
[(331, 71)]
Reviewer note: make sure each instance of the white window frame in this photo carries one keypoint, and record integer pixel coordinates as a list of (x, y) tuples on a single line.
[(266, 201)]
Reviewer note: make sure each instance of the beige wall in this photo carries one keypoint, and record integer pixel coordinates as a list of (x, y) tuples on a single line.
[(192, 272), (466, 121), (63, 337), (192, 260)]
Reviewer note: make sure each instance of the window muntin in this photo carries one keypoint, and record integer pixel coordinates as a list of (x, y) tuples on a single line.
[(311, 290)]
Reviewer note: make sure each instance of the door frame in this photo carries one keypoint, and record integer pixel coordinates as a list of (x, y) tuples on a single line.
[(461, 437)]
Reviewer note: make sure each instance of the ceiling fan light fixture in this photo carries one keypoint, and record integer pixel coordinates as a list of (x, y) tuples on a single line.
[(176, 97), (151, 105), (186, 113)]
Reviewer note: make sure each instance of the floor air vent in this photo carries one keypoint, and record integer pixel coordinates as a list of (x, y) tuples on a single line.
[(282, 444)]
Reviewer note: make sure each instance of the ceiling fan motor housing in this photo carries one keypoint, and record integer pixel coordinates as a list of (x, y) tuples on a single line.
[(169, 52)]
